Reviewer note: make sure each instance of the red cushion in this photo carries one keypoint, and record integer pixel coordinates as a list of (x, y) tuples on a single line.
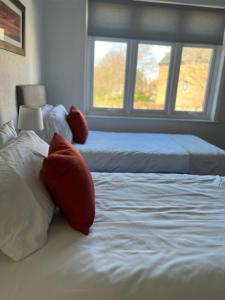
[(69, 180), (78, 125)]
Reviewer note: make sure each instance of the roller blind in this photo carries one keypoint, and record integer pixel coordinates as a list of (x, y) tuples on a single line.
[(154, 21)]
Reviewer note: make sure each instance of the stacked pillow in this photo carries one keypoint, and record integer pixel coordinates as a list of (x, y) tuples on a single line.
[(78, 125), (23, 225), (26, 208), (72, 126), (56, 123), (69, 180), (25, 156)]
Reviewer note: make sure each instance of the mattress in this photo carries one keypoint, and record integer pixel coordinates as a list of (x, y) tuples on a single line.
[(155, 153), (155, 236)]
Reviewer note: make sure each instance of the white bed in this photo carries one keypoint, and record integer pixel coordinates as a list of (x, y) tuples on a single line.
[(155, 153), (159, 237)]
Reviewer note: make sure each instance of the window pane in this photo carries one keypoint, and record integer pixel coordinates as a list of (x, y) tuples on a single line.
[(109, 74), (152, 76), (193, 79)]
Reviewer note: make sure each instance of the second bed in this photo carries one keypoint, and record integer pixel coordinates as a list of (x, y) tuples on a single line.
[(151, 152)]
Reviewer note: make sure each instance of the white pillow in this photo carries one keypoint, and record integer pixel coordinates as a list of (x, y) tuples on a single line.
[(19, 154), (23, 224), (7, 133), (57, 123), (45, 111)]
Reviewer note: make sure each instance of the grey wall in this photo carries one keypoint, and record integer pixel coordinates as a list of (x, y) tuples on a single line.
[(65, 25), (213, 3), (16, 69), (65, 61)]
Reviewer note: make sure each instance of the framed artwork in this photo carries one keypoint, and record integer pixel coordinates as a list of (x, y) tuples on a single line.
[(12, 26)]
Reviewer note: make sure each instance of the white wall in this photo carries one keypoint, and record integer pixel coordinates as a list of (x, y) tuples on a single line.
[(16, 69), (65, 59)]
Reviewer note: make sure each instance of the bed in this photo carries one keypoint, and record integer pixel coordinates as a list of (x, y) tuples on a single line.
[(140, 152), (156, 236), (149, 152)]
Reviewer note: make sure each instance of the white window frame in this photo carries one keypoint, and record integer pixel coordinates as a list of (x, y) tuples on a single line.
[(211, 95)]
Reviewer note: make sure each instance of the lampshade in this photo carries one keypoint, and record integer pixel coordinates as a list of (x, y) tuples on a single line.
[(30, 118)]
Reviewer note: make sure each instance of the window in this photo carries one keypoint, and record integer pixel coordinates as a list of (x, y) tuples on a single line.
[(109, 74), (153, 67), (193, 79), (152, 77)]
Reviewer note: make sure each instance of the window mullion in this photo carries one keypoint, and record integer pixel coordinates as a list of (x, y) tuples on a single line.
[(214, 81), (130, 75), (173, 77), (90, 65)]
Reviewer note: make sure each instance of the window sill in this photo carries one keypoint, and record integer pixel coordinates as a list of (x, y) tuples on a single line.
[(93, 115)]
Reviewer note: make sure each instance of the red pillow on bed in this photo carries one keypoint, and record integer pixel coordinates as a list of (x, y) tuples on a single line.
[(78, 125), (69, 180)]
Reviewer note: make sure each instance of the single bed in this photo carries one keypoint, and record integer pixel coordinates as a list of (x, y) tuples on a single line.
[(155, 236), (139, 152), (149, 152)]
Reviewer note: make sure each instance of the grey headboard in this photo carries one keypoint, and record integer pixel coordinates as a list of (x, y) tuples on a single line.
[(34, 95)]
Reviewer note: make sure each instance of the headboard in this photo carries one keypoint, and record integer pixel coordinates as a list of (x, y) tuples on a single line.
[(33, 95)]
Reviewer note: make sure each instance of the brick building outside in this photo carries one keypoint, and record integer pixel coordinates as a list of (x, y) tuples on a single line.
[(193, 79)]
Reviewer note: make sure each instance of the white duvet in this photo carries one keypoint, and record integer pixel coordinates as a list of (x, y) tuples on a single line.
[(155, 237), (151, 153)]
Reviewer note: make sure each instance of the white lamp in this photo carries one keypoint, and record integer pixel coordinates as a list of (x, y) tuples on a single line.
[(30, 118)]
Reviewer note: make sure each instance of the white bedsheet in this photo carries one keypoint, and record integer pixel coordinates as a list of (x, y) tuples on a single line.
[(149, 152), (156, 237)]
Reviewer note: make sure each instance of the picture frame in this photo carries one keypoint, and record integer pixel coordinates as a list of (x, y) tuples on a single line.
[(12, 26)]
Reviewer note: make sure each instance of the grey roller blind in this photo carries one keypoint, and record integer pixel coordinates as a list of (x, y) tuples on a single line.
[(154, 21)]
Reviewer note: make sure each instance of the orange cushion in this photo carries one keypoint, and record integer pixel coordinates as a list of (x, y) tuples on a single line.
[(78, 125), (67, 176)]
